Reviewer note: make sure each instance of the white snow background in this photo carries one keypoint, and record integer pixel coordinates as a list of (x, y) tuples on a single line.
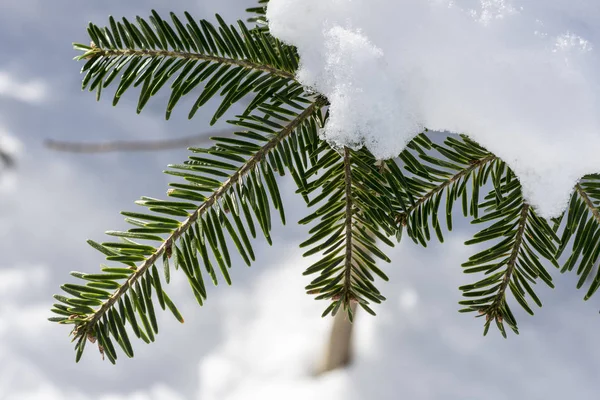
[(519, 76), (260, 338)]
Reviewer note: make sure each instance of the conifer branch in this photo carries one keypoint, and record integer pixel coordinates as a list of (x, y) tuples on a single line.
[(86, 327), (520, 240), (582, 224), (231, 188), (230, 62), (183, 55), (352, 216)]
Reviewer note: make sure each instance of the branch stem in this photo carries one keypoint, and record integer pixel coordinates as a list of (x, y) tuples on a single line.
[(512, 261), (101, 52), (348, 224), (588, 202)]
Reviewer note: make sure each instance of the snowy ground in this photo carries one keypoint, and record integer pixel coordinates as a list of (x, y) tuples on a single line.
[(262, 337)]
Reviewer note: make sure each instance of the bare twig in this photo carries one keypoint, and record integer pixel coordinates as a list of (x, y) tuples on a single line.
[(6, 159), (134, 145)]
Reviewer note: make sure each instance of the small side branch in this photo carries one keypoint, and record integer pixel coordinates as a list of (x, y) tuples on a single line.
[(588, 202), (348, 223), (473, 166)]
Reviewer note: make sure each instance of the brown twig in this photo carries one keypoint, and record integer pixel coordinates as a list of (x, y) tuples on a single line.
[(133, 145), (349, 219), (6, 159)]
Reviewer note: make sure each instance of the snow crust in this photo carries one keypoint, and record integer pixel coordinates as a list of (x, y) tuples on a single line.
[(521, 77)]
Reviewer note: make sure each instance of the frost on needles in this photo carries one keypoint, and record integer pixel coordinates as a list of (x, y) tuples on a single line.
[(519, 76)]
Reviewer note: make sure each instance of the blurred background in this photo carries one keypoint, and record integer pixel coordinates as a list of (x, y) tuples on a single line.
[(263, 337)]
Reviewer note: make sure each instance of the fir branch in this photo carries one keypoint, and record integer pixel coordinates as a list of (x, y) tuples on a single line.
[(354, 211), (87, 327), (232, 62), (361, 202), (520, 239), (96, 52), (581, 227), (417, 195)]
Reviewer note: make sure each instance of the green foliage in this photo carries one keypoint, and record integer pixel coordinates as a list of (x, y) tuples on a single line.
[(227, 192), (515, 237), (225, 196), (513, 262), (259, 14), (581, 229), (438, 172), (354, 209), (230, 61)]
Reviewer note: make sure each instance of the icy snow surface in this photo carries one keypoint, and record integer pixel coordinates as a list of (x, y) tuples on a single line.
[(519, 76)]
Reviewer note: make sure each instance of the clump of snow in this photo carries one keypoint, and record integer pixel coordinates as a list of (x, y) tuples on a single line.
[(519, 76)]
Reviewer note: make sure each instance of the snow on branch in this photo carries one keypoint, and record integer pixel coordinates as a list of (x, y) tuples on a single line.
[(518, 76)]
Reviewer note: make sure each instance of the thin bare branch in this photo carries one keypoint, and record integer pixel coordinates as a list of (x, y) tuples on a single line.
[(6, 159), (134, 145)]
